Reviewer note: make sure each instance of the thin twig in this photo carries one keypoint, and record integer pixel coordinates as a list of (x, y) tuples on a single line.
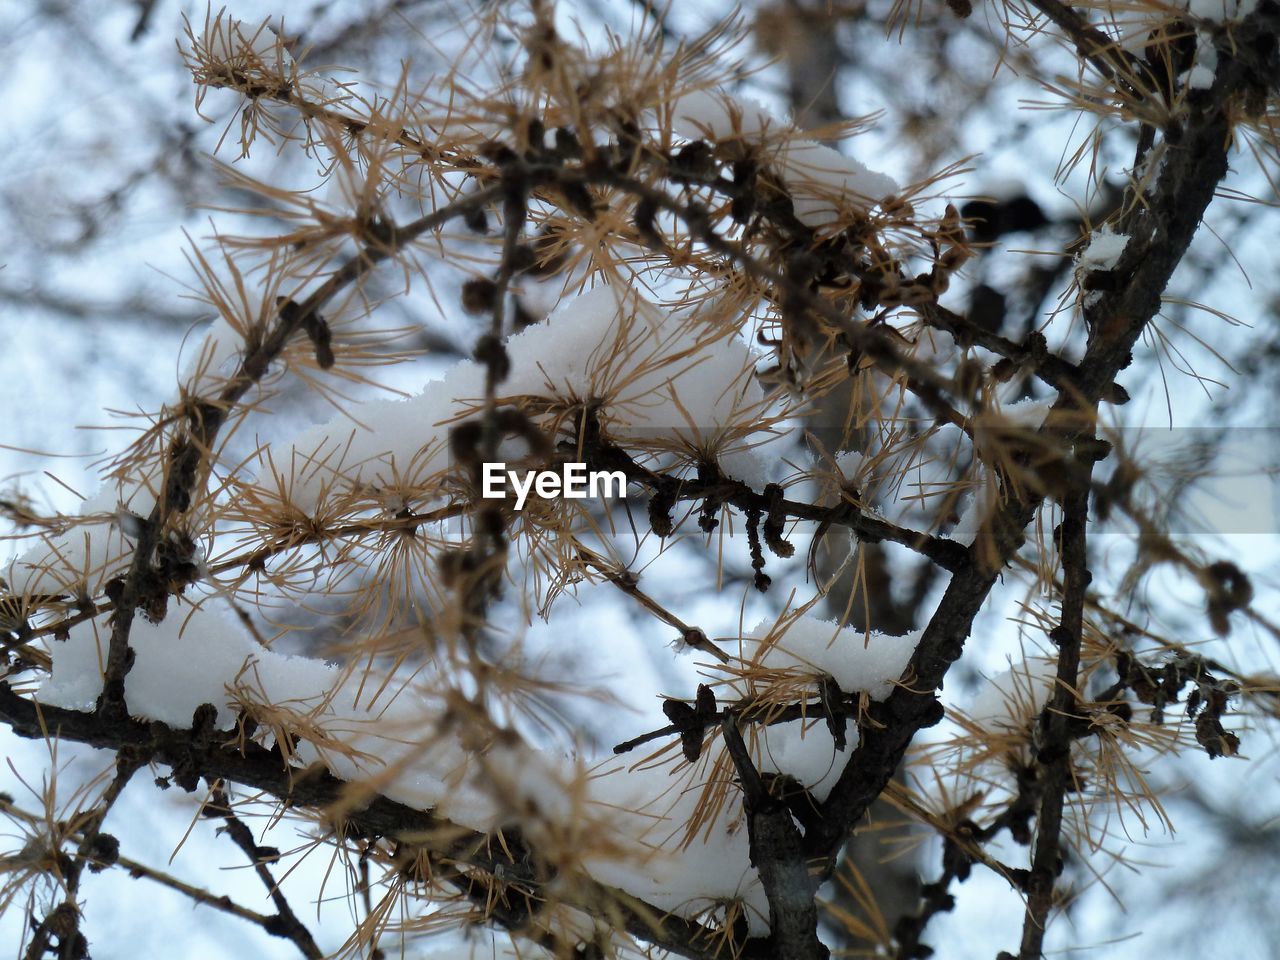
[(285, 923)]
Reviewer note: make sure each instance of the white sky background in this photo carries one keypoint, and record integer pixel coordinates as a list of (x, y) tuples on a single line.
[(76, 126)]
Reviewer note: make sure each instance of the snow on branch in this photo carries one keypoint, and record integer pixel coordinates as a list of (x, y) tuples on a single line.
[(295, 584)]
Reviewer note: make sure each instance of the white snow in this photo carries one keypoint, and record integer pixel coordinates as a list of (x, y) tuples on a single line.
[(405, 747), (978, 740), (718, 116), (650, 809), (759, 459), (1201, 75), (181, 662), (805, 750), (215, 360), (824, 181), (1206, 65), (647, 367), (973, 512), (1104, 250), (1028, 413), (632, 820), (1009, 700), (235, 41), (850, 463), (977, 505), (1220, 11), (198, 655), (89, 551), (857, 661)]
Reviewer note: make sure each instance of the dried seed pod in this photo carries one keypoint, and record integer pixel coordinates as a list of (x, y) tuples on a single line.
[(692, 722), (661, 505), (743, 205), (832, 708), (775, 523), (989, 220), (321, 337), (1216, 739), (464, 442), (497, 153), (513, 422), (954, 258), (646, 228), (492, 352), (535, 133), (567, 145), (1228, 589), (762, 580), (477, 220), (578, 196), (454, 564), (707, 520), (551, 253), (694, 161), (952, 225), (522, 258), (479, 296)]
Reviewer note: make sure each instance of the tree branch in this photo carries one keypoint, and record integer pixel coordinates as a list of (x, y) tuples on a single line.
[(378, 818)]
